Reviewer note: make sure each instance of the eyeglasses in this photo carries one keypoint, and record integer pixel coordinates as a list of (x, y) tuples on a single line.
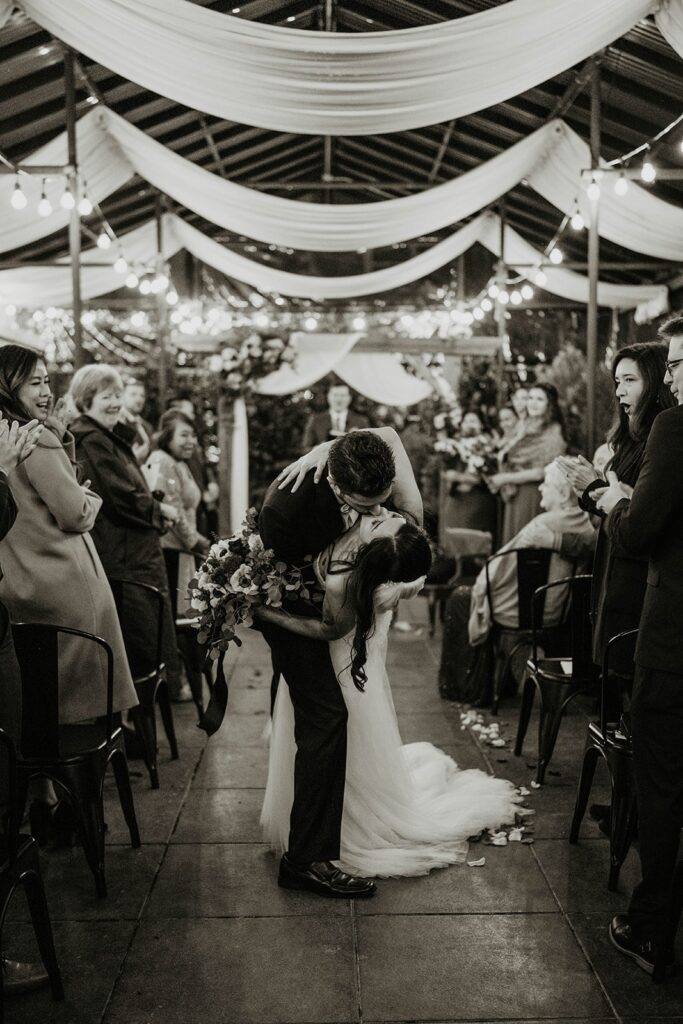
[(671, 366)]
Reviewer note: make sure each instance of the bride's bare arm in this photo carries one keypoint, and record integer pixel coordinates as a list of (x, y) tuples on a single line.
[(337, 620)]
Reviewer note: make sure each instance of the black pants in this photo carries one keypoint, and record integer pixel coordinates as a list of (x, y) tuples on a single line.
[(657, 729), (320, 732)]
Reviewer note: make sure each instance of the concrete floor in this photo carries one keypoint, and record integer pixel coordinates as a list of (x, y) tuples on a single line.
[(195, 928)]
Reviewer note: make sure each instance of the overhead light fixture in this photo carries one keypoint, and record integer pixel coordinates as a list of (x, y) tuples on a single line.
[(132, 280), (516, 298), (103, 240), (493, 290), (555, 255), (503, 297), (648, 172), (540, 278), (67, 201), (85, 207), (44, 206), (486, 305), (577, 221), (121, 266), (593, 191), (18, 198), (527, 292), (621, 185)]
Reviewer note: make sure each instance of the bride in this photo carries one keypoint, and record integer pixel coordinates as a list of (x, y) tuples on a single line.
[(407, 807)]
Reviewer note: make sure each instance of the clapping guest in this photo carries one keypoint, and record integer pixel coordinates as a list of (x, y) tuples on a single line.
[(541, 439), (52, 571), (127, 531), (619, 577)]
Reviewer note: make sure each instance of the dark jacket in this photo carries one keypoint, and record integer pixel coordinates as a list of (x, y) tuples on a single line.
[(8, 513), (128, 529), (651, 525), (320, 424), (299, 525)]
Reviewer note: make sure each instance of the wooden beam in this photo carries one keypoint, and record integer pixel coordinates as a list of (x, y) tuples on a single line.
[(438, 159), (80, 355), (593, 267)]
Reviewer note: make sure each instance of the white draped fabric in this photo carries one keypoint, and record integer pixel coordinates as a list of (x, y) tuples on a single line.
[(100, 165), (550, 159), (42, 286), (343, 83), (5, 11)]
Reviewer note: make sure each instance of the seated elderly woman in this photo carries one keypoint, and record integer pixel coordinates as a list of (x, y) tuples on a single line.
[(127, 531), (561, 527)]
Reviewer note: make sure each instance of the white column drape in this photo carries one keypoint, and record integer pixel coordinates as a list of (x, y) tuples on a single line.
[(101, 165), (343, 83), (42, 286)]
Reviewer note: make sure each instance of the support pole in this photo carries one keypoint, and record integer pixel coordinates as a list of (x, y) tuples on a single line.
[(499, 309), (162, 310), (593, 269), (80, 357), (330, 25)]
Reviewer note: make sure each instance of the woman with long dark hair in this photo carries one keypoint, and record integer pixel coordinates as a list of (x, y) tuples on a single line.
[(540, 440), (407, 808), (619, 579)]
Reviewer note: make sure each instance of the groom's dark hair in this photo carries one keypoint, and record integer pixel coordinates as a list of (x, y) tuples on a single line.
[(362, 463)]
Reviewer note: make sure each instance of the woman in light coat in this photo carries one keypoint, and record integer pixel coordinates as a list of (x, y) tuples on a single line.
[(51, 570)]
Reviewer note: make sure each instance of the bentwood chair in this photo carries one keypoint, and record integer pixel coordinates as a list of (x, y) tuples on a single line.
[(606, 738), (73, 757), (20, 866), (558, 680), (149, 679), (531, 569)]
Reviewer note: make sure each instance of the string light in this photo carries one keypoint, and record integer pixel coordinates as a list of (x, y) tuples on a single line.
[(516, 298), (593, 191), (85, 207), (67, 201), (493, 290), (132, 280), (503, 297), (478, 313), (145, 286), (121, 266), (540, 278), (172, 297), (555, 255), (359, 323), (310, 323), (577, 222), (527, 292), (648, 172), (486, 305), (18, 198), (103, 240), (621, 185), (44, 206)]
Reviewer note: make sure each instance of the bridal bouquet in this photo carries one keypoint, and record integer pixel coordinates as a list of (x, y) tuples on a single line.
[(478, 454), (237, 575)]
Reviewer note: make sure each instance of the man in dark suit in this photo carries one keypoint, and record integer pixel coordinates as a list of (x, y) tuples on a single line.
[(339, 418), (651, 524), (364, 469)]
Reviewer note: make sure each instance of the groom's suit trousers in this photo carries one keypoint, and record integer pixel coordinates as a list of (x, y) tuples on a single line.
[(320, 717)]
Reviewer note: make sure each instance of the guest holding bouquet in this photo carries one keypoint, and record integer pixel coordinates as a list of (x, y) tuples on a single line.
[(472, 456), (541, 439)]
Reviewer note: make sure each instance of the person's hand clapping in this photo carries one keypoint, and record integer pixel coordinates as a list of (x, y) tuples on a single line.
[(578, 471), (169, 512), (612, 494), (17, 442)]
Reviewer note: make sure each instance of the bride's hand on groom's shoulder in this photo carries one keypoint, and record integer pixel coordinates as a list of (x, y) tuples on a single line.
[(296, 471)]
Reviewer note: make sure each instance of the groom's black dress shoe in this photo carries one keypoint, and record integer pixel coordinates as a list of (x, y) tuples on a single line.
[(626, 939), (323, 878)]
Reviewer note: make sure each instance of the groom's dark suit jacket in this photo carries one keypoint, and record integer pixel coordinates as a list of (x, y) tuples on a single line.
[(299, 526)]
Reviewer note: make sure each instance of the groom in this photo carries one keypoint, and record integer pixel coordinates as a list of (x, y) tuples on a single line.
[(366, 469)]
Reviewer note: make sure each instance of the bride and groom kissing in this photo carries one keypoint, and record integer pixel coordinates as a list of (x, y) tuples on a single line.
[(346, 800)]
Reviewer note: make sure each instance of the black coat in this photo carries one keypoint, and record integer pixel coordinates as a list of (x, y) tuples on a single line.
[(128, 529), (8, 513), (320, 424), (299, 525), (651, 524)]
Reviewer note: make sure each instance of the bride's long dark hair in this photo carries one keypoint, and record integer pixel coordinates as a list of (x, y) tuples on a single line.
[(402, 558)]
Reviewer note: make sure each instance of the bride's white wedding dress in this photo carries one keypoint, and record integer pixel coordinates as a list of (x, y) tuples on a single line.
[(407, 807)]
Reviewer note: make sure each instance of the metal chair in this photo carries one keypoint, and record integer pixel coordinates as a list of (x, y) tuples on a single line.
[(605, 739), (150, 686), (468, 549), (532, 567), (20, 866), (558, 680), (73, 757)]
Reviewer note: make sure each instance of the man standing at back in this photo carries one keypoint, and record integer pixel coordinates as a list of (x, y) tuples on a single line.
[(652, 523), (339, 418), (364, 470)]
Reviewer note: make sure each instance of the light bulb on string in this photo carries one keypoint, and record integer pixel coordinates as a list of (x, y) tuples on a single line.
[(67, 201), (18, 198), (621, 185), (555, 255), (103, 240), (310, 323), (486, 305), (503, 297), (493, 290), (120, 266), (527, 292), (648, 172), (516, 298), (540, 278), (577, 222), (171, 297), (85, 207), (593, 191), (132, 280), (145, 286), (478, 313), (359, 323), (44, 206)]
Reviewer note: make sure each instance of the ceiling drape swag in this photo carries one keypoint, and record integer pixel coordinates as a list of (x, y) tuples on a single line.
[(42, 286), (321, 83)]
